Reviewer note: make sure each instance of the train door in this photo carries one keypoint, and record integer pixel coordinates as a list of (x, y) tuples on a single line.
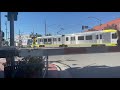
[(99, 38), (72, 40), (114, 37)]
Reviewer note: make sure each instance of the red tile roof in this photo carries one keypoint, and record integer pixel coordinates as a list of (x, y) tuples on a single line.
[(116, 21)]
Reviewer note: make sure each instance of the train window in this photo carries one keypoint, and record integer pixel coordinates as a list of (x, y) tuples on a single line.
[(66, 38), (54, 39), (80, 37), (114, 35), (96, 36), (45, 40), (40, 40), (72, 38), (58, 39), (100, 36), (49, 40), (89, 37), (29, 42)]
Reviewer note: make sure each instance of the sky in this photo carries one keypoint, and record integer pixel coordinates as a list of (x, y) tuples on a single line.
[(62, 22)]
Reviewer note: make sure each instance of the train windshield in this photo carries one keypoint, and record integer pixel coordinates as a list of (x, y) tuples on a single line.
[(114, 35)]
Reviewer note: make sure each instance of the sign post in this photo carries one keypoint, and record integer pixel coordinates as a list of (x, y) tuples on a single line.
[(12, 16)]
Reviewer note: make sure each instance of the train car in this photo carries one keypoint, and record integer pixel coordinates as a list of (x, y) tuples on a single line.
[(29, 42), (83, 39)]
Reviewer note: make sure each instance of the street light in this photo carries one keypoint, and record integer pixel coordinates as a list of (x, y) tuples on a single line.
[(97, 19)]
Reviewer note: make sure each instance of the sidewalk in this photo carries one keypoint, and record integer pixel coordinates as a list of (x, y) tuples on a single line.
[(55, 72), (52, 71)]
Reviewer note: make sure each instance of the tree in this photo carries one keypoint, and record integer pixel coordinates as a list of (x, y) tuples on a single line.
[(49, 34), (113, 26), (37, 35), (32, 34), (92, 29)]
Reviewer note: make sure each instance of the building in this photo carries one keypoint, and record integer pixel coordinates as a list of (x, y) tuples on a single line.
[(114, 24), (21, 39)]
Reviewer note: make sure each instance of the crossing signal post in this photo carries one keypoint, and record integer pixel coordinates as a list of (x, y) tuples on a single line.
[(11, 16)]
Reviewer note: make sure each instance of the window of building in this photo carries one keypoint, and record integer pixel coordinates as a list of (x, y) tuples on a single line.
[(89, 37), (80, 37)]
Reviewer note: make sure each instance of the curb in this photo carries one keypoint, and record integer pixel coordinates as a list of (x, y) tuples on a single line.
[(53, 71)]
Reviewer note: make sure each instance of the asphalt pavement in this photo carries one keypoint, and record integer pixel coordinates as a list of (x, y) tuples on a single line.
[(94, 65)]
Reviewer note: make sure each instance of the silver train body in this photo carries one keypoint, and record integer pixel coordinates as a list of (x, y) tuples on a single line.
[(106, 37)]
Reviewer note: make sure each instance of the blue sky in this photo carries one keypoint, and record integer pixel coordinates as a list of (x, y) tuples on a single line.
[(71, 22)]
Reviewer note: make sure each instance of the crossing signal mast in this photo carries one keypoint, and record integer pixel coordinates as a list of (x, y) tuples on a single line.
[(1, 33)]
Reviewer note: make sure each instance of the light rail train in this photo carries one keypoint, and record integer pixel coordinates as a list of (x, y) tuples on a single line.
[(91, 38)]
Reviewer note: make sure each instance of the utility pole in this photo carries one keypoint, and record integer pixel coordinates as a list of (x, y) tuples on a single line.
[(8, 35), (0, 32), (0, 22), (33, 31), (19, 39), (12, 16), (8, 38), (45, 27), (6, 30)]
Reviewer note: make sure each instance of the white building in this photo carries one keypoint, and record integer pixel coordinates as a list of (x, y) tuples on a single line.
[(22, 38)]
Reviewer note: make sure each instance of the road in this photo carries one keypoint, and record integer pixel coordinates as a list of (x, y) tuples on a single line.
[(97, 65)]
